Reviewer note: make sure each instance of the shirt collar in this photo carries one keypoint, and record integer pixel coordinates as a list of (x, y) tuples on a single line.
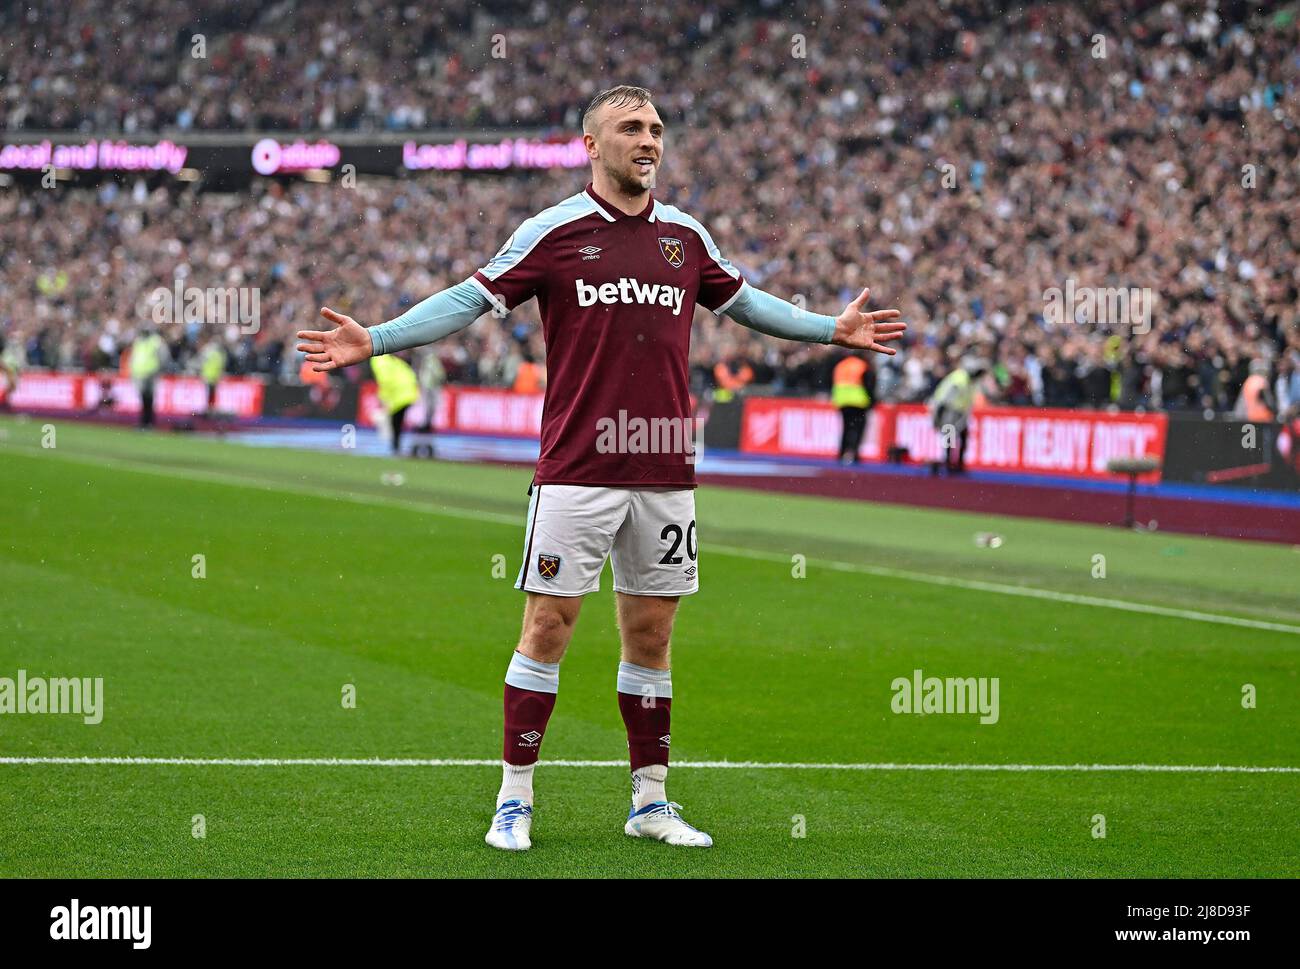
[(614, 214)]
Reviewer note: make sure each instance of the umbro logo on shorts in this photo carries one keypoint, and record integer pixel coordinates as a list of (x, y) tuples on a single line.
[(548, 566)]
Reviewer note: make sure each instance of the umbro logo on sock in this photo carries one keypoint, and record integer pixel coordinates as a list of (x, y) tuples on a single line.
[(665, 740), (531, 738)]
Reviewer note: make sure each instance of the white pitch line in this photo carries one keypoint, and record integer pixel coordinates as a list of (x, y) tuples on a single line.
[(1002, 588), (975, 585), (704, 764)]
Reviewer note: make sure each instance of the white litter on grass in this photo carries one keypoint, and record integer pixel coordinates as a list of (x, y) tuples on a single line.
[(689, 764)]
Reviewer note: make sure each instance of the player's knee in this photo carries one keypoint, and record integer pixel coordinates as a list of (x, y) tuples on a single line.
[(547, 630), (649, 651), (645, 642)]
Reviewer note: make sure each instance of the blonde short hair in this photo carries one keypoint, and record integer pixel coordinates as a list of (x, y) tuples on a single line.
[(625, 95)]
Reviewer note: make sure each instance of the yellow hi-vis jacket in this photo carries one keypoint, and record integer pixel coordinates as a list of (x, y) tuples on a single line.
[(955, 391), (213, 364), (847, 389), (146, 357), (398, 386)]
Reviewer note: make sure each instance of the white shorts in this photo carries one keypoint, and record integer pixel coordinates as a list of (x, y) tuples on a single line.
[(649, 534)]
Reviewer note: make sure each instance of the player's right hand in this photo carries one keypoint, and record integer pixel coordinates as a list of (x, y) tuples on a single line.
[(346, 344)]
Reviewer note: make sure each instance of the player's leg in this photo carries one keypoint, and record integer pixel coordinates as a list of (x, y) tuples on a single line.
[(645, 690), (567, 539), (654, 558), (532, 683)]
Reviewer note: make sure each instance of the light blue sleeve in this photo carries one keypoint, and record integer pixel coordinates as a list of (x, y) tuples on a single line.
[(774, 316), (431, 319)]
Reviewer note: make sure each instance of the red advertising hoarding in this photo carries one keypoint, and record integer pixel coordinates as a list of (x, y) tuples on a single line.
[(173, 396), (467, 410), (1065, 443), (805, 428)]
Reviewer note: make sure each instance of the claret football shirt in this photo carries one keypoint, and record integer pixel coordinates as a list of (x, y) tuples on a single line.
[(617, 293)]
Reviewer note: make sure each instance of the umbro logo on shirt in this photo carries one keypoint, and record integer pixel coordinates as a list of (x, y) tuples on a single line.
[(628, 290), (589, 252)]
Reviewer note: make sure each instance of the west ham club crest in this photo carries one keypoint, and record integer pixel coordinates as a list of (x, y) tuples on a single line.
[(673, 251)]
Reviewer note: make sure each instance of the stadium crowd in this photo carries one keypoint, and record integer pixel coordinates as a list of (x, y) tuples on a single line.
[(963, 160)]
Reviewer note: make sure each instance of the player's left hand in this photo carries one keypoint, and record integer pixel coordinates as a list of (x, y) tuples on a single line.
[(867, 331)]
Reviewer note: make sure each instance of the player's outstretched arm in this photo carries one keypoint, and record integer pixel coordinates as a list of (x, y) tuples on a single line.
[(431, 319), (853, 328)]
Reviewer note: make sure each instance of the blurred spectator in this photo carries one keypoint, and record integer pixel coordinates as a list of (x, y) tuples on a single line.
[(731, 376), (1256, 402)]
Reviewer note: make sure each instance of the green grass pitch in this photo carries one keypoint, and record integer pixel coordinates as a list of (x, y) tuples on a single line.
[(319, 575)]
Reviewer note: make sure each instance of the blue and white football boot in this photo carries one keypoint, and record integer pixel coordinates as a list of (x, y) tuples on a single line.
[(511, 826), (659, 820)]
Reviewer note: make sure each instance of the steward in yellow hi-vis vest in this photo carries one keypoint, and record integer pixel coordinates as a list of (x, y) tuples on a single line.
[(850, 395), (146, 357), (212, 367), (398, 390), (148, 354), (950, 408)]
